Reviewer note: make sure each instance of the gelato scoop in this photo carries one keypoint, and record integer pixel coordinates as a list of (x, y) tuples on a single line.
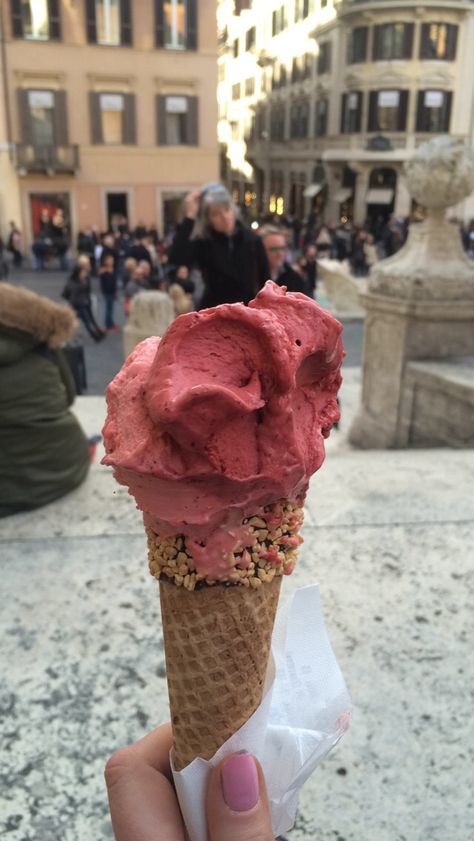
[(226, 414)]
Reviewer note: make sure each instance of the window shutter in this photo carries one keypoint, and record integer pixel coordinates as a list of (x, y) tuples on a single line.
[(125, 23), (402, 111), (448, 97), (129, 130), (193, 121), (24, 119), (364, 31), (159, 24), (161, 120), (373, 101), (54, 20), (420, 109), (191, 11), (408, 40), (424, 42), (376, 43), (358, 119), (61, 134), (343, 112), (95, 117), (91, 26), (17, 22), (451, 42)]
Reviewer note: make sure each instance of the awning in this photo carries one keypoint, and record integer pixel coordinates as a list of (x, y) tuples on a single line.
[(342, 194), (312, 190), (379, 196)]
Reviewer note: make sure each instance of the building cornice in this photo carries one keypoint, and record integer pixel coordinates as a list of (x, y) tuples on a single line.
[(371, 9)]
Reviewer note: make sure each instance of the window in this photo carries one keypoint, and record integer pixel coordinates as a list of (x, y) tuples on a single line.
[(321, 117), (299, 115), (278, 76), (42, 117), (235, 47), (277, 123), (36, 20), (109, 22), (234, 130), (176, 24), (388, 110), (438, 41), (301, 9), (236, 91), (351, 112), (107, 14), (301, 67), (177, 120), (433, 111), (111, 108), (41, 108), (112, 118), (324, 58), (278, 20), (250, 86), (357, 45), (393, 41), (250, 38)]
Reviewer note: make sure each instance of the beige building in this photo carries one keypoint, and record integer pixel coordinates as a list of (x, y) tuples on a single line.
[(107, 109), (321, 102)]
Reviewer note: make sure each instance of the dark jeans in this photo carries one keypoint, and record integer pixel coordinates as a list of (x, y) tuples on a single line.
[(109, 311), (86, 315)]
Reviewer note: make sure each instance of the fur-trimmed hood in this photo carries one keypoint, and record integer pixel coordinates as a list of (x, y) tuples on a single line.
[(41, 318)]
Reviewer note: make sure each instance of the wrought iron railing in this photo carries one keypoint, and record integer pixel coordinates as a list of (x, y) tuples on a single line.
[(46, 159)]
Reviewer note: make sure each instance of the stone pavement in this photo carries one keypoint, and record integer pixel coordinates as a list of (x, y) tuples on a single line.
[(389, 537)]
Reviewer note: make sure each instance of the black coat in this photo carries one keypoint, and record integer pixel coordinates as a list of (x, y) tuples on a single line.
[(291, 279), (233, 268)]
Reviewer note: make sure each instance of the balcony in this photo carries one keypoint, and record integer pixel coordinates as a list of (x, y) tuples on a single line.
[(46, 160)]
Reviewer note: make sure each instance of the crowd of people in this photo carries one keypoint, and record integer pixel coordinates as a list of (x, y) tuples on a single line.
[(212, 257)]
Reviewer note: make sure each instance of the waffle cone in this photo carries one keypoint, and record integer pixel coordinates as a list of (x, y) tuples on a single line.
[(217, 645)]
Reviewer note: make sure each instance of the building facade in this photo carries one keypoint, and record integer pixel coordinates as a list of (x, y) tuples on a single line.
[(107, 109), (321, 102)]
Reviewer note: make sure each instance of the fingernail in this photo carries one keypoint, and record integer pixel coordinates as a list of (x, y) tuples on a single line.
[(240, 782)]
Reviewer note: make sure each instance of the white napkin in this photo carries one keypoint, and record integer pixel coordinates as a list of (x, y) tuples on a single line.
[(304, 712)]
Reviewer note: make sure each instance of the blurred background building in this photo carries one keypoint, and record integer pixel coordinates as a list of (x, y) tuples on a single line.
[(321, 102), (107, 109)]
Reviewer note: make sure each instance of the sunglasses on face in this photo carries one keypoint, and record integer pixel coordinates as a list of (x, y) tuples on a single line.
[(275, 248)]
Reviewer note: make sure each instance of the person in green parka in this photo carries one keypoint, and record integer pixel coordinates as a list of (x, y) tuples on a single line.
[(44, 453)]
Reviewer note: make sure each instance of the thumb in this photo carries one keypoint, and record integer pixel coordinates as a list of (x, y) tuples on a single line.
[(237, 805)]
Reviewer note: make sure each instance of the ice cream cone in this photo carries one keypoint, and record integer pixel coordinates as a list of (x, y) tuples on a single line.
[(218, 634), (217, 644)]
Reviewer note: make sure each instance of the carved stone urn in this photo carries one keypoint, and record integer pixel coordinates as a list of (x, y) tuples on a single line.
[(419, 303)]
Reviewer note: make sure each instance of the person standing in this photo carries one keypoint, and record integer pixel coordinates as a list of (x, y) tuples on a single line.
[(230, 256), (78, 293), (108, 286), (309, 267), (281, 272), (14, 245)]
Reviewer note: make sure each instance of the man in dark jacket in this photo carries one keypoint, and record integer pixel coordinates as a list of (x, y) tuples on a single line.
[(44, 453), (281, 272), (231, 257)]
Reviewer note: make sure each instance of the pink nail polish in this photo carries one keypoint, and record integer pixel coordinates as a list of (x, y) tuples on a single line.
[(240, 782)]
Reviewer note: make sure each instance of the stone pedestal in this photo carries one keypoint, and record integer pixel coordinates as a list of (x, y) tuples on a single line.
[(420, 306), (151, 313)]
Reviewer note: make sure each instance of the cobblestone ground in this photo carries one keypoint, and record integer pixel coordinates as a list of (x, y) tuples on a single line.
[(104, 360)]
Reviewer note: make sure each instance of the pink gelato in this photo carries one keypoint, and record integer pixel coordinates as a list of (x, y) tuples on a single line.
[(224, 415)]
